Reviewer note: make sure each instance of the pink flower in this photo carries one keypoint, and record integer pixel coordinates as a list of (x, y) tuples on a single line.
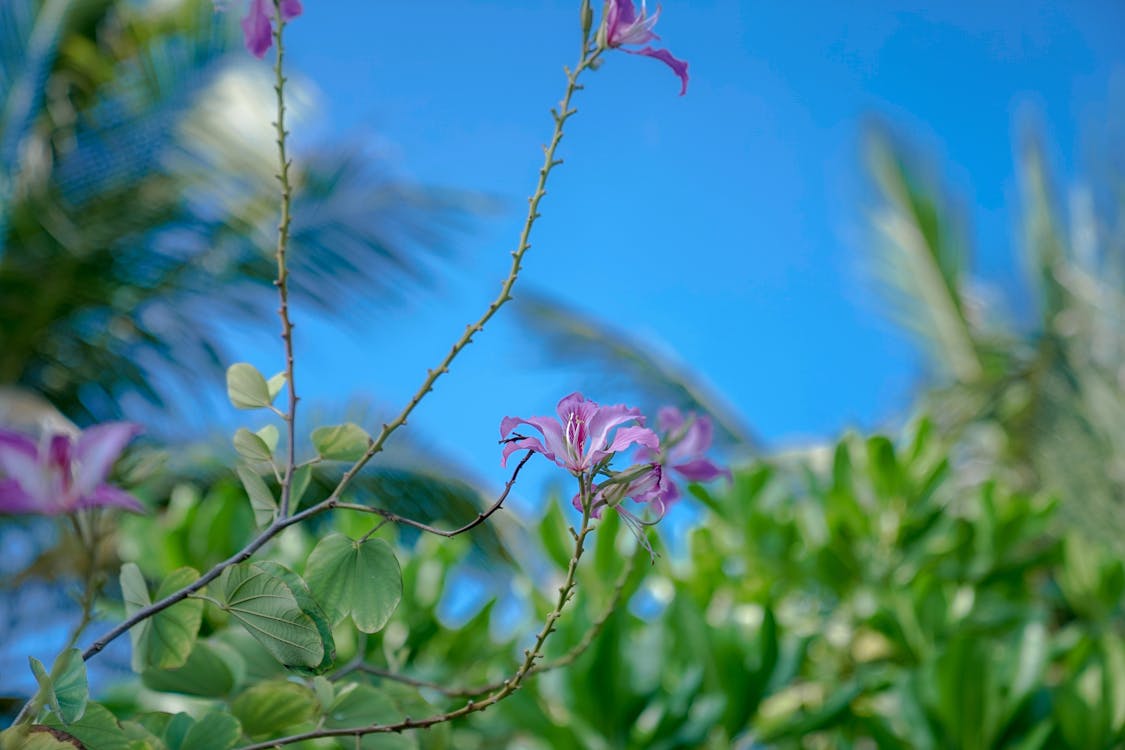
[(682, 447), (257, 27), (622, 25), (60, 475), (579, 440), (642, 483)]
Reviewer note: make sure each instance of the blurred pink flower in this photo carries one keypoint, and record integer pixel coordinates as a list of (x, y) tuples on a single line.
[(60, 475), (579, 440), (622, 25), (685, 440), (257, 27)]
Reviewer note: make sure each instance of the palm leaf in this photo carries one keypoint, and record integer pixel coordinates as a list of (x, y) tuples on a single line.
[(563, 336), (922, 260)]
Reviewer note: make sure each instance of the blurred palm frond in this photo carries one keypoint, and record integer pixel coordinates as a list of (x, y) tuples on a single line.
[(144, 182), (565, 337)]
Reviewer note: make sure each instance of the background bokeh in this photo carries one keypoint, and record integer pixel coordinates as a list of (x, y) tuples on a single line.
[(881, 246)]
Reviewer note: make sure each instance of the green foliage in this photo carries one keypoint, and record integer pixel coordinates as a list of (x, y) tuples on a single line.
[(343, 442), (268, 608), (247, 388), (64, 689), (166, 639), (361, 579), (269, 708)]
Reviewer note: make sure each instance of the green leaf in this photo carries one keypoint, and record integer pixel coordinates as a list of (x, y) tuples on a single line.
[(211, 671), (342, 442), (270, 436), (164, 640), (362, 579), (213, 731), (309, 606), (246, 387), (252, 447), (33, 738), (177, 729), (270, 707), (65, 689), (275, 384), (261, 499), (267, 608), (300, 482), (359, 705), (555, 535), (97, 728)]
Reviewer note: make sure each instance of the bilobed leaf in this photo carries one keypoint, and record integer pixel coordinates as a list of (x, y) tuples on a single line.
[(342, 442), (96, 729), (214, 731), (362, 579), (252, 447), (270, 436), (309, 606), (270, 707), (65, 689), (35, 739), (176, 730), (267, 608), (165, 639), (300, 482), (134, 591), (275, 384), (261, 499), (246, 387), (357, 705), (174, 629), (211, 671)]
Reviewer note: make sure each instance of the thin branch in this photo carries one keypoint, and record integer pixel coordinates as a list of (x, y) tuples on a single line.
[(388, 516), (560, 115), (282, 281), (509, 686), (565, 660), (589, 57)]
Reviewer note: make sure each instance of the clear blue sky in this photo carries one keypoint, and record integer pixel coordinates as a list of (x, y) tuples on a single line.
[(726, 225)]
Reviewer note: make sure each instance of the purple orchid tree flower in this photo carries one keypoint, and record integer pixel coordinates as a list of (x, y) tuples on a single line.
[(686, 439), (60, 474), (623, 25), (579, 440), (257, 27)]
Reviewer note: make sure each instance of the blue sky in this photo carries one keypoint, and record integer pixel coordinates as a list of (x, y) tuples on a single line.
[(727, 225)]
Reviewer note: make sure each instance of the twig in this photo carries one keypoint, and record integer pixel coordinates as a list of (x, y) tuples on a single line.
[(481, 517), (282, 283), (560, 115), (589, 56), (565, 660), (508, 687)]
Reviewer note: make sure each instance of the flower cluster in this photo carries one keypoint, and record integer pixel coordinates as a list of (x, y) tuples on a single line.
[(60, 474), (621, 25), (585, 437)]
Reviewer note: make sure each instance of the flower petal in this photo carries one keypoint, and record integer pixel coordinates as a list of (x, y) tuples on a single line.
[(627, 436), (19, 461), (14, 500), (256, 28), (605, 419), (694, 442), (549, 427), (700, 470), (530, 444), (109, 496), (290, 9), (97, 450), (678, 66), (18, 443)]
